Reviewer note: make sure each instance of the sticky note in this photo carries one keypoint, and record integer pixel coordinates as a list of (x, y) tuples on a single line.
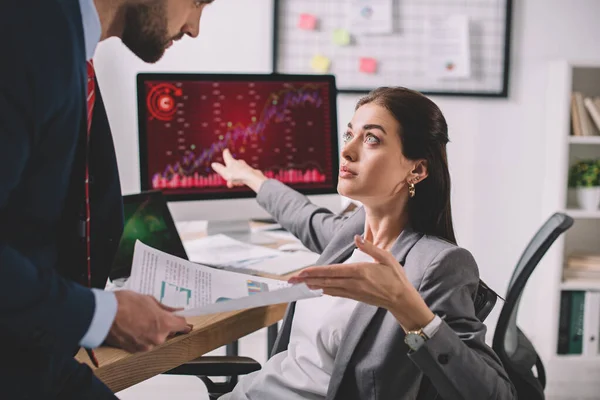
[(320, 63), (341, 37), (371, 17), (368, 65), (307, 22)]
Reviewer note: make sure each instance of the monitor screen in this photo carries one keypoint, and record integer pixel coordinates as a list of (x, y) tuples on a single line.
[(147, 219), (283, 125)]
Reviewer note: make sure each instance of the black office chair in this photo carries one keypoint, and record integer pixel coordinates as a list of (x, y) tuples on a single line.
[(514, 349), (232, 366)]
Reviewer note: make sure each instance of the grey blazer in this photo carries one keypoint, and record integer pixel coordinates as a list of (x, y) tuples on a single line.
[(373, 362)]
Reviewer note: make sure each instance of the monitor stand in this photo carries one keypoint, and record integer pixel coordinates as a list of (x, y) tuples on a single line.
[(264, 220), (239, 230)]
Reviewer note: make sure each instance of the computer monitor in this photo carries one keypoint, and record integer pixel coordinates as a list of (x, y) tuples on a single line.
[(284, 125), (146, 218)]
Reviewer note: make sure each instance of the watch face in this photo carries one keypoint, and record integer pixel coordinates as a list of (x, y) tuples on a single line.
[(414, 340)]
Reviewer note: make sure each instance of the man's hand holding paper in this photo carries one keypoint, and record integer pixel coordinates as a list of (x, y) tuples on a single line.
[(202, 290), (142, 322)]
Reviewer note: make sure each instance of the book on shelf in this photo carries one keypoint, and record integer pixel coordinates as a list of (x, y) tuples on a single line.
[(575, 118), (582, 266), (584, 260), (579, 323), (591, 323), (585, 115), (593, 110), (574, 273)]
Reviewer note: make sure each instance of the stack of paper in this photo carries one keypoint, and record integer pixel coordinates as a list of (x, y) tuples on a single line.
[(224, 252), (202, 290)]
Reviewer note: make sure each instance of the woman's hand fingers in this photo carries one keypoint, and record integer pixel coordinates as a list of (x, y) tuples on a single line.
[(227, 157), (220, 169), (349, 277), (382, 283), (379, 255), (332, 271), (358, 289), (350, 285), (233, 171)]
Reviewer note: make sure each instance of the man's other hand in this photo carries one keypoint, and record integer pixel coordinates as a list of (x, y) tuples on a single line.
[(142, 322)]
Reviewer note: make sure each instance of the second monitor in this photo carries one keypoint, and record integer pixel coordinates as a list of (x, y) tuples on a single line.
[(284, 125)]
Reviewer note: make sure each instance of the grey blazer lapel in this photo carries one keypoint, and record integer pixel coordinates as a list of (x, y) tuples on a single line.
[(338, 256), (362, 316), (360, 320), (283, 337)]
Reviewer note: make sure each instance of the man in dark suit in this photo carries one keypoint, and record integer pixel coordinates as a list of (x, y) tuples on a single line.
[(60, 199)]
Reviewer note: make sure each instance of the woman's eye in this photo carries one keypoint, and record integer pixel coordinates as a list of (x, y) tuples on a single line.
[(346, 137), (371, 139)]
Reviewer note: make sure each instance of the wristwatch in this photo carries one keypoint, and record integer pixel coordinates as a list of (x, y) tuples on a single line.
[(415, 339)]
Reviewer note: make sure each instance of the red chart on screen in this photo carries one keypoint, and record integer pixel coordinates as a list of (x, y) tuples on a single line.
[(283, 129)]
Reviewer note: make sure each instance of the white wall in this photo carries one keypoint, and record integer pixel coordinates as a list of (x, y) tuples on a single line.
[(496, 153)]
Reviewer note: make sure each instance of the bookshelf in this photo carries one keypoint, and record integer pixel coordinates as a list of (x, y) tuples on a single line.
[(581, 284), (584, 140), (582, 214), (568, 373)]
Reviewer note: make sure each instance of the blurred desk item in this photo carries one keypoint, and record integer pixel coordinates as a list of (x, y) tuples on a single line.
[(222, 251)]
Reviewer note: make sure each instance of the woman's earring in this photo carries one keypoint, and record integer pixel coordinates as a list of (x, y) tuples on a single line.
[(411, 189)]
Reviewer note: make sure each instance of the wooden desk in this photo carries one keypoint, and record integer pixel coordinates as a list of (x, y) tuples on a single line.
[(120, 370)]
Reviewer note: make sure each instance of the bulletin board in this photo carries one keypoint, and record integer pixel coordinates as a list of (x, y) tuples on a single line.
[(399, 55)]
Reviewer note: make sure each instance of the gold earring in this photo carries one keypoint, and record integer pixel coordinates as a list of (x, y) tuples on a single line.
[(411, 189)]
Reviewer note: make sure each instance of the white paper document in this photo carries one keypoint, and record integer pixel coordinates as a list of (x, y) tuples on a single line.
[(371, 16), (191, 227), (204, 290), (448, 47), (223, 251)]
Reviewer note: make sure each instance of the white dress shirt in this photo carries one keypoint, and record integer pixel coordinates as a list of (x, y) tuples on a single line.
[(92, 29), (105, 302), (304, 370)]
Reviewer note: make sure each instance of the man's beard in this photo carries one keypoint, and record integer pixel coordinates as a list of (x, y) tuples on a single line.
[(146, 32)]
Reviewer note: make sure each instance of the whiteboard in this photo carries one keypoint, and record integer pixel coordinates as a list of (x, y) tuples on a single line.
[(399, 54)]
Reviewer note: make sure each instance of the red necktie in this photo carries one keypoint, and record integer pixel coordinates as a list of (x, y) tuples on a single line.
[(91, 99)]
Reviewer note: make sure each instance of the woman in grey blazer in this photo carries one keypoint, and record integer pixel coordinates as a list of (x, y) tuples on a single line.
[(399, 292)]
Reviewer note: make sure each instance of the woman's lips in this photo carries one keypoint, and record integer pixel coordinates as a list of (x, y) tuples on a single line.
[(346, 172)]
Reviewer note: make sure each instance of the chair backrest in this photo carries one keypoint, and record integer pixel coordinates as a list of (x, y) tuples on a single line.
[(514, 349)]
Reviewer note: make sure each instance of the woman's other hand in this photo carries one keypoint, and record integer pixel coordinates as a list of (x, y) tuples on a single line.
[(382, 284), (238, 172)]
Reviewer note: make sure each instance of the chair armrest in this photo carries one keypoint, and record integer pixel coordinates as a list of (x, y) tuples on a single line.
[(217, 366), (541, 373), (485, 300)]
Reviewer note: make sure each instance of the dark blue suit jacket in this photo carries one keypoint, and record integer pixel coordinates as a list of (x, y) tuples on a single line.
[(44, 313)]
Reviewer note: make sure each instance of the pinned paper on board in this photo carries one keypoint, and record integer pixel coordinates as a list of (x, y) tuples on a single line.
[(371, 16), (341, 37), (367, 65), (448, 47), (307, 22), (320, 63)]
